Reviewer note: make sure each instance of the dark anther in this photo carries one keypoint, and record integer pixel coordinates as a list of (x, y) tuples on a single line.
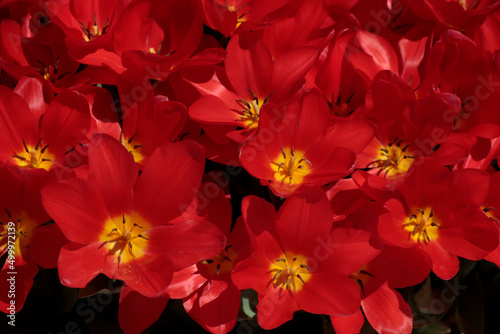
[(141, 236), (282, 259), (304, 266), (139, 226), (283, 152), (366, 273), (300, 277), (227, 247), (277, 274), (227, 258), (360, 282), (25, 146), (131, 139), (38, 144), (8, 213), (392, 142)]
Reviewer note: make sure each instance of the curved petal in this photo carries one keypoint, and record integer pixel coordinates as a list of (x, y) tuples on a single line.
[(387, 311)]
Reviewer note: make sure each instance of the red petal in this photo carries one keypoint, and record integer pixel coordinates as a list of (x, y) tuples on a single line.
[(289, 71), (188, 242), (249, 66), (350, 324), (327, 293), (303, 219), (387, 311), (46, 253), (185, 282), (149, 275), (65, 123), (345, 251), (137, 312), (79, 264), (469, 234), (275, 308), (31, 90), (77, 210), (444, 264), (219, 305), (169, 181), (401, 267), (258, 214), (113, 173), (426, 184)]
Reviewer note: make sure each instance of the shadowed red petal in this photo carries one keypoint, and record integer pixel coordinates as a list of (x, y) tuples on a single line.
[(137, 312), (65, 123)]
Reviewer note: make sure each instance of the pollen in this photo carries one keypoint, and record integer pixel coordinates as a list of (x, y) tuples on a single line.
[(290, 166), (34, 156), (290, 273), (393, 159), (125, 237), (422, 226)]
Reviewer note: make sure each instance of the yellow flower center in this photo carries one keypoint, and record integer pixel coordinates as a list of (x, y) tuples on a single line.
[(34, 157), (290, 272), (290, 167), (93, 30), (360, 277), (15, 233), (422, 226), (492, 213), (222, 263), (393, 159), (134, 148), (124, 237), (250, 113)]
